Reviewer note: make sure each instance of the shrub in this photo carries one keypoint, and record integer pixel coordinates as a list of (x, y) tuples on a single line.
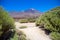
[(38, 23), (15, 37), (23, 27), (6, 22), (27, 20), (21, 35), (31, 20), (23, 21), (55, 36), (50, 21)]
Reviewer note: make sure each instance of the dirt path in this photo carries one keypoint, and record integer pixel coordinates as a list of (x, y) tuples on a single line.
[(32, 32)]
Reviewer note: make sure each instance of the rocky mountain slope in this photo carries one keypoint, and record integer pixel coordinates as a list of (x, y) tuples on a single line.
[(29, 13)]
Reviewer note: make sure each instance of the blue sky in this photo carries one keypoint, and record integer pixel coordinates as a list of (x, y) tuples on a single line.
[(18, 5)]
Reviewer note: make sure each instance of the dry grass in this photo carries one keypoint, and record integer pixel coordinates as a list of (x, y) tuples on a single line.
[(23, 27)]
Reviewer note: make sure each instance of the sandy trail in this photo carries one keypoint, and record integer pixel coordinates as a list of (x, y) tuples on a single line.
[(32, 32)]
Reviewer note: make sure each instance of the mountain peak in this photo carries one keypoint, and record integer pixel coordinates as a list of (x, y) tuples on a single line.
[(31, 10)]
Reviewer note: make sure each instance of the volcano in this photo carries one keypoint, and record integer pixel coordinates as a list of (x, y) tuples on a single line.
[(29, 13)]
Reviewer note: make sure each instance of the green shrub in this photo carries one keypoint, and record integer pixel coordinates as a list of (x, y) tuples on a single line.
[(23, 21), (27, 20), (15, 37), (50, 20), (6, 22), (22, 37), (37, 24), (55, 36), (31, 20), (23, 27)]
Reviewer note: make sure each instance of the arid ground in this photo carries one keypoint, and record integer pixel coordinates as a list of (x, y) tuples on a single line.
[(32, 32)]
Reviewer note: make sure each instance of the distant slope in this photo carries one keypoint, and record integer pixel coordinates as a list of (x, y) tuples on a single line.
[(29, 13)]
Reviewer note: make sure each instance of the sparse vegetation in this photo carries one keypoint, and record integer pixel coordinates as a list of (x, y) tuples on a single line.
[(21, 35), (15, 37), (23, 20), (23, 27), (49, 21), (27, 20), (31, 19)]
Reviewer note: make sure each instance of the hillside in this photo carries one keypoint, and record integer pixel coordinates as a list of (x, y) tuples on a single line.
[(29, 13)]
